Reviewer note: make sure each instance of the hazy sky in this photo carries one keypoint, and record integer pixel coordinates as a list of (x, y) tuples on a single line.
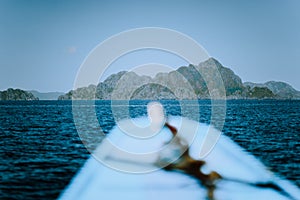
[(43, 43)]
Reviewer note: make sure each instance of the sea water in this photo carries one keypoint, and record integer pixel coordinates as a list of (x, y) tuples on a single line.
[(40, 148)]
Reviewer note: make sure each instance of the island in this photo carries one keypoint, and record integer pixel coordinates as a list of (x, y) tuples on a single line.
[(129, 85), (16, 94)]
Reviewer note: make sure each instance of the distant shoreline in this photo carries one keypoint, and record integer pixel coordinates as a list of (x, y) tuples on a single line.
[(175, 100), (187, 82)]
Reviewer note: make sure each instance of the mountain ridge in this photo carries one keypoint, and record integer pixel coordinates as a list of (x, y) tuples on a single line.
[(183, 83), (46, 95), (281, 89), (16, 95)]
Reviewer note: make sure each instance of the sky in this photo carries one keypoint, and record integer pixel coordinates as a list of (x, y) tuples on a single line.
[(44, 43)]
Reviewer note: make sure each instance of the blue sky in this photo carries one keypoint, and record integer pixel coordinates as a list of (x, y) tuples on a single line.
[(43, 43)]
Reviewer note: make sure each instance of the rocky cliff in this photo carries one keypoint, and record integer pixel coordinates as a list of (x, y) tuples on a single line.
[(187, 82), (280, 89), (16, 94)]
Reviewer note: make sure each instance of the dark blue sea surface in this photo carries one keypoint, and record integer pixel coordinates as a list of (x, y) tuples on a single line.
[(40, 148)]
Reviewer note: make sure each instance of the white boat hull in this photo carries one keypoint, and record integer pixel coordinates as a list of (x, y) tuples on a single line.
[(241, 172)]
